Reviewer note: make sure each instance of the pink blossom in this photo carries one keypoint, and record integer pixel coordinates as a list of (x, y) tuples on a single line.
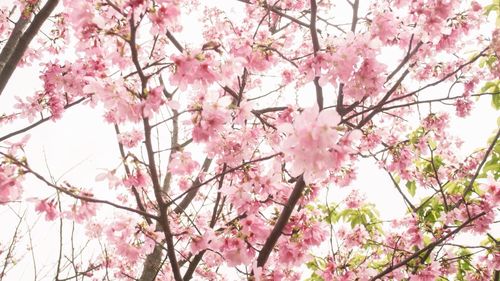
[(254, 226), (463, 107), (384, 26), (163, 17), (49, 208), (236, 252), (153, 102), (492, 190), (202, 242), (291, 253), (313, 129), (131, 139), (354, 200), (137, 179), (110, 176), (196, 70), (10, 188), (182, 164), (429, 273)]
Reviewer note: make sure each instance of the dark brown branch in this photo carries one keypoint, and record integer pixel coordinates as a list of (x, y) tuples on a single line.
[(281, 223), (14, 37), (316, 48), (137, 196), (174, 41), (478, 170), (172, 201), (278, 12), (135, 55), (43, 120), (24, 41), (268, 109), (194, 188), (435, 100), (355, 8), (442, 79), (74, 194), (164, 221), (378, 107), (405, 59), (396, 185), (426, 248)]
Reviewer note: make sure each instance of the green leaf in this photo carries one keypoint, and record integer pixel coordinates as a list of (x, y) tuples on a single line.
[(397, 179), (412, 187), (495, 100), (315, 277), (432, 144)]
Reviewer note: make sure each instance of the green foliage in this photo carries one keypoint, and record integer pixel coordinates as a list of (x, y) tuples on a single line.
[(314, 277), (492, 166), (493, 87), (366, 215), (463, 265), (430, 211), (493, 7), (412, 187), (415, 136), (317, 264), (427, 166), (454, 187), (488, 60)]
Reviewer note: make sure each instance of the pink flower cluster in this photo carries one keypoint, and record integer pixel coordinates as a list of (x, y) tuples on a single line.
[(210, 116), (47, 207), (351, 62), (10, 189), (164, 16), (314, 129), (197, 70), (130, 139), (124, 105), (182, 164)]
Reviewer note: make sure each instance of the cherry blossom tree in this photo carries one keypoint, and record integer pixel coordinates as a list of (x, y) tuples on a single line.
[(238, 126)]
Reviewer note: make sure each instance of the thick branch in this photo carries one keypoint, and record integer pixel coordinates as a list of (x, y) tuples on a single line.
[(316, 48), (175, 42), (355, 8), (194, 188), (378, 107), (161, 203), (24, 41), (14, 37), (281, 223)]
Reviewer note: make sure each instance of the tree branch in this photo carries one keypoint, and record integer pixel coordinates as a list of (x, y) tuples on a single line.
[(14, 37), (316, 48), (281, 223), (426, 248), (73, 194), (24, 41), (43, 120)]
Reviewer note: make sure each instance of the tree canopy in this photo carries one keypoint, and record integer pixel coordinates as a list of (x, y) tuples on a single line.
[(233, 133)]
